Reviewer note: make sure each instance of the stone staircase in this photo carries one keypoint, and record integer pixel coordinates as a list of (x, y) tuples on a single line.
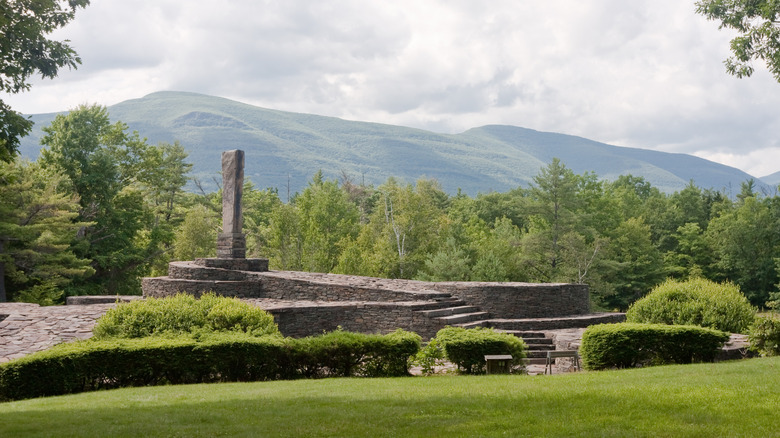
[(457, 313)]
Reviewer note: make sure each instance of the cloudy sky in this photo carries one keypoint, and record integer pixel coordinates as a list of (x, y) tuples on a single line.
[(642, 73)]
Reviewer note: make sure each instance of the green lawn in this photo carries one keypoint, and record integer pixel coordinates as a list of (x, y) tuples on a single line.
[(740, 398)]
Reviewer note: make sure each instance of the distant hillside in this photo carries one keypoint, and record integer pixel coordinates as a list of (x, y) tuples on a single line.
[(772, 180), (283, 147)]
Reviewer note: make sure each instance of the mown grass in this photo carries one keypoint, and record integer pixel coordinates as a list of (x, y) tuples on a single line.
[(727, 399)]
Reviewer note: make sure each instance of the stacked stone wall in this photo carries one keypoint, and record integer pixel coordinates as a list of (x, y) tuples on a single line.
[(521, 300), (317, 302), (300, 321)]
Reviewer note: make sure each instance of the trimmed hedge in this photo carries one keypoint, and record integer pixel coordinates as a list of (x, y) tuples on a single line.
[(183, 313), (695, 302), (215, 357), (764, 335), (627, 345), (466, 348), (344, 354)]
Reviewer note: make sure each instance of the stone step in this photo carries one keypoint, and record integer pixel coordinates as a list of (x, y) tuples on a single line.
[(539, 347), (535, 360), (474, 324), (463, 318), (563, 322), (525, 334), (538, 341), (433, 305), (446, 311), (536, 354)]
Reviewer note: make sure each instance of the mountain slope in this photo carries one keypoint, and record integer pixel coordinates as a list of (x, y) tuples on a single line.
[(288, 148)]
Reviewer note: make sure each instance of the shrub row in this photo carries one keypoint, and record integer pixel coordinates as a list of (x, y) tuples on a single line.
[(183, 313), (628, 345), (466, 348), (216, 357), (695, 302)]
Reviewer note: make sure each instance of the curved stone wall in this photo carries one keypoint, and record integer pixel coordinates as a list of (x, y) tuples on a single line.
[(521, 300)]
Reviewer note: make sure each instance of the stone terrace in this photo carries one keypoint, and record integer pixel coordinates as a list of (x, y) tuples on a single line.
[(27, 328)]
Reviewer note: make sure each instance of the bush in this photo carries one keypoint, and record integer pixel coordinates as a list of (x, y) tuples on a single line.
[(91, 365), (466, 348), (429, 357), (695, 302), (203, 357), (182, 313), (343, 354), (764, 335), (628, 345)]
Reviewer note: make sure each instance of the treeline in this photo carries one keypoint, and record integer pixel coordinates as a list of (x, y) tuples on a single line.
[(101, 208)]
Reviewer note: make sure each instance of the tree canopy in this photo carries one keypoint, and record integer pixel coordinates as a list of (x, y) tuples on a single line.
[(758, 24), (25, 49)]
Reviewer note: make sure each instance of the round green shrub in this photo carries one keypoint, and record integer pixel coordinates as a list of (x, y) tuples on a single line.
[(695, 302), (466, 348), (183, 314)]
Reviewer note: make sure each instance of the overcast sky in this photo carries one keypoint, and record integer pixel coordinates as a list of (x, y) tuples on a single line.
[(642, 73)]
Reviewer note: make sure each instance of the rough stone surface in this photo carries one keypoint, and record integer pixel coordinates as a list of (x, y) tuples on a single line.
[(252, 265), (231, 243), (28, 328), (521, 300)]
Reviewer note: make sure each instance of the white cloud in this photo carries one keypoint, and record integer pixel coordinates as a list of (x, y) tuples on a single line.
[(642, 73)]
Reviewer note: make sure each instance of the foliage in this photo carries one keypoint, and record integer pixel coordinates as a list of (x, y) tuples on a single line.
[(764, 335), (183, 314), (629, 345), (207, 357), (635, 265), (758, 24), (343, 354), (26, 51), (38, 220), (746, 240), (695, 302), (127, 189), (429, 357), (466, 348), (196, 236), (101, 364)]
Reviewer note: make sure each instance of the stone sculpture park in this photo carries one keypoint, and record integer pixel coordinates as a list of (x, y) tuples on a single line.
[(547, 316)]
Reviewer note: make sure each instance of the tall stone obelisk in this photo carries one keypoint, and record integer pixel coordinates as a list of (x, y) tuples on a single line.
[(231, 243)]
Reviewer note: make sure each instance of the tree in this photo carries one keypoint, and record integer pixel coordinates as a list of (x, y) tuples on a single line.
[(758, 23), (37, 224), (104, 166), (26, 51), (555, 201), (328, 219), (196, 237), (746, 242)]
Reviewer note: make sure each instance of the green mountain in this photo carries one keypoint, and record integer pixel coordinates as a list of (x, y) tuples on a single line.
[(285, 149)]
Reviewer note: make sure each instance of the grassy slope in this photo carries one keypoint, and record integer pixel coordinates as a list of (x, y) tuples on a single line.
[(729, 399), (281, 144)]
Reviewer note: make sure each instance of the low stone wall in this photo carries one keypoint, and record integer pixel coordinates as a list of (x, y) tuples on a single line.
[(158, 287), (327, 287), (521, 300), (369, 317)]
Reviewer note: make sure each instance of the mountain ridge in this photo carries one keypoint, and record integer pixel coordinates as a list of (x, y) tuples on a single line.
[(284, 149)]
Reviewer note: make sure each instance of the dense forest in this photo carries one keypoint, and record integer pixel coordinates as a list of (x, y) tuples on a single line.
[(101, 208)]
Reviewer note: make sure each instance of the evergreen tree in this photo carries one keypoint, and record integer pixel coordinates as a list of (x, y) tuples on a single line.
[(38, 221)]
